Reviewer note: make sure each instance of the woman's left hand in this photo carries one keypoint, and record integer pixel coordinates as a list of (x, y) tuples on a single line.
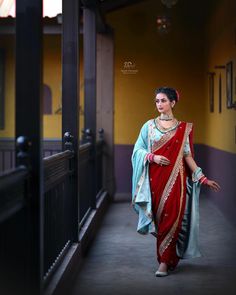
[(213, 185)]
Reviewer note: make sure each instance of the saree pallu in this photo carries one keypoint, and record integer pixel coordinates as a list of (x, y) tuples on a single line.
[(168, 191)]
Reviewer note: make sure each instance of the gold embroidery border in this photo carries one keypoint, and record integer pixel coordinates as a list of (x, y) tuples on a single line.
[(169, 237), (140, 182), (173, 176), (170, 184), (163, 140)]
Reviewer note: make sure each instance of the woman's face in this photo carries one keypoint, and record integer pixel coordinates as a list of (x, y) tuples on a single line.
[(163, 104)]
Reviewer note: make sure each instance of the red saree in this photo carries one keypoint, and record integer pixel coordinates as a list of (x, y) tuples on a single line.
[(168, 190)]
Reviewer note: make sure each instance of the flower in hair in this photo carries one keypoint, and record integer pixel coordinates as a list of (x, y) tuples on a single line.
[(177, 94)]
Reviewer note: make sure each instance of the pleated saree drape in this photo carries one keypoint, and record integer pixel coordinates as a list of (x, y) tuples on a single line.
[(168, 190)]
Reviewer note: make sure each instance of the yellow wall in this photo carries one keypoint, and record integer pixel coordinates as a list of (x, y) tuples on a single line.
[(7, 43), (220, 49), (180, 59), (52, 76), (173, 60)]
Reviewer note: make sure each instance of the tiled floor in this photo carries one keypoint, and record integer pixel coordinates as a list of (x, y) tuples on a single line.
[(122, 262)]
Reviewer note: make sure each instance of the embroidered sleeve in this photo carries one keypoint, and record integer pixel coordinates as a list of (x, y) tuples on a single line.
[(187, 150), (198, 175)]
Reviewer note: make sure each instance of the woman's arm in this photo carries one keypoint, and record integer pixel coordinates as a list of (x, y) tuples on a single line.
[(191, 163), (193, 166)]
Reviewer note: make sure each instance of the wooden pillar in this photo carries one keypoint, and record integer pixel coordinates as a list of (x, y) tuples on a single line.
[(29, 123), (70, 90), (90, 69), (105, 104), (89, 38)]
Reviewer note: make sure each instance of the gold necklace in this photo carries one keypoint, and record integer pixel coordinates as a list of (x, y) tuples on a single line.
[(166, 129), (165, 117)]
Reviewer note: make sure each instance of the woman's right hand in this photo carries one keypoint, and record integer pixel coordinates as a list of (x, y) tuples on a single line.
[(161, 160)]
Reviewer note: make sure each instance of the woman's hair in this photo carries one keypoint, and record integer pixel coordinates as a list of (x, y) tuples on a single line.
[(171, 93)]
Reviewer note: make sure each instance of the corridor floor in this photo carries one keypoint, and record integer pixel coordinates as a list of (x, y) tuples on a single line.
[(122, 262)]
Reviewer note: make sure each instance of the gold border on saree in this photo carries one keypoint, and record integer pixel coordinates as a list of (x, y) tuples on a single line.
[(166, 242)]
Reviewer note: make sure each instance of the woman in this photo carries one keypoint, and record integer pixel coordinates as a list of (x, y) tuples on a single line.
[(166, 184)]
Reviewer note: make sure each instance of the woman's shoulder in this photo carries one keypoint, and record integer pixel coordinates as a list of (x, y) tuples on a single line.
[(147, 123), (186, 123)]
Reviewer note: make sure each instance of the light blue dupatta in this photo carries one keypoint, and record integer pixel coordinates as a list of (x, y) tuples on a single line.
[(141, 196)]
